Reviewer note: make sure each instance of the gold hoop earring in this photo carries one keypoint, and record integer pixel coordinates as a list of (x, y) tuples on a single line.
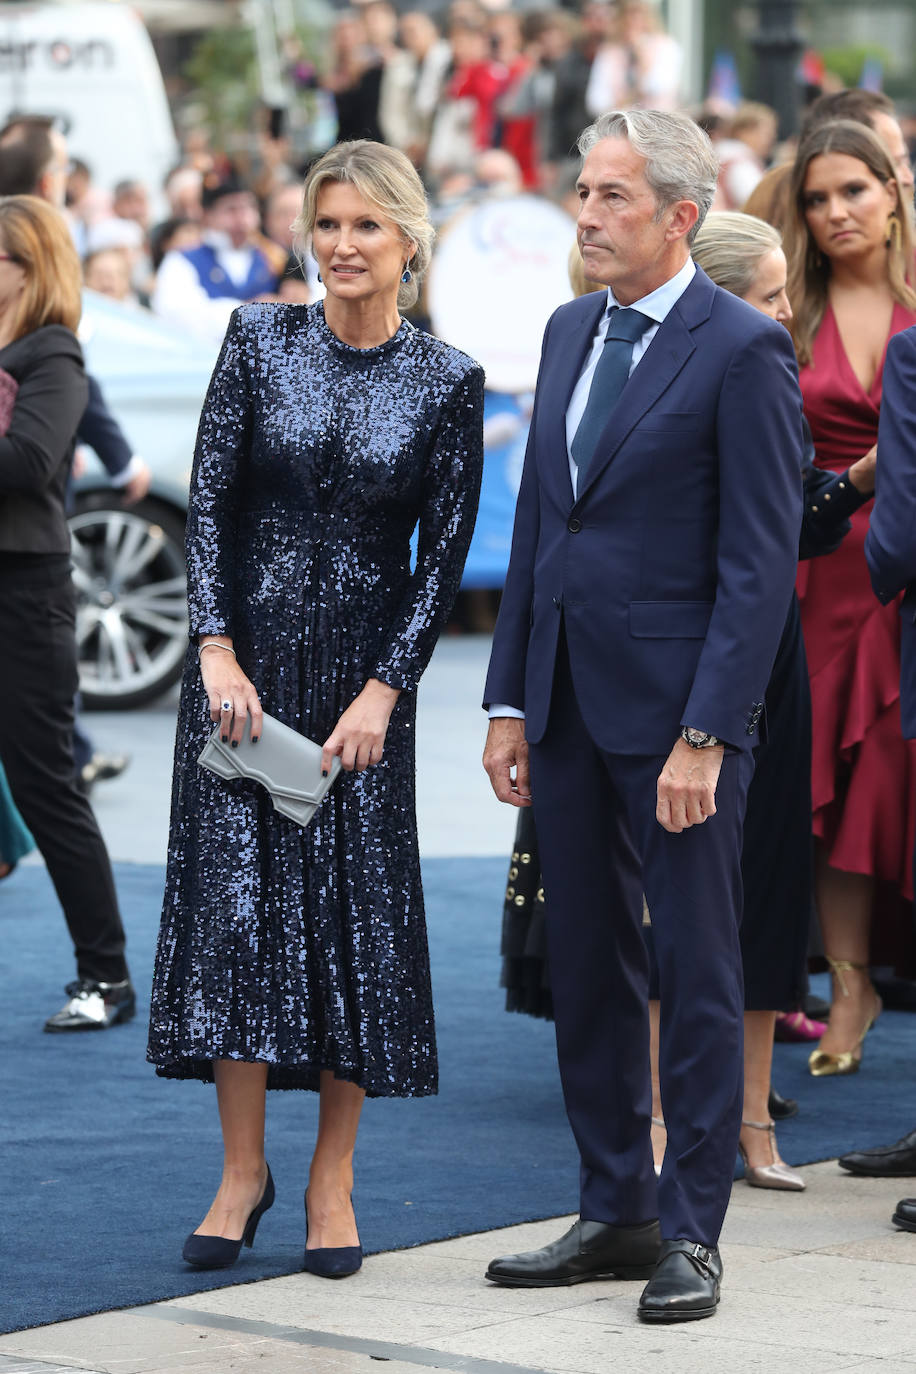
[(894, 239)]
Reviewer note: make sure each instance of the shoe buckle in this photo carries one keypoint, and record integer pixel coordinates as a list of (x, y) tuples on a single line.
[(701, 1255)]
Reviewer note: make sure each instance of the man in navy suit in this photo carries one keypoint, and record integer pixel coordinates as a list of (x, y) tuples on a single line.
[(653, 559), (890, 551)]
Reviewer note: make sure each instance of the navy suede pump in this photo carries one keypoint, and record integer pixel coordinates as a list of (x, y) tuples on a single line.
[(331, 1262), (216, 1252)]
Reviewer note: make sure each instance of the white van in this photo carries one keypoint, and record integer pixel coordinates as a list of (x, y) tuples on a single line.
[(93, 67)]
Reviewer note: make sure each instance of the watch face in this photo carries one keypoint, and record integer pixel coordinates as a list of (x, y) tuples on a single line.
[(698, 738)]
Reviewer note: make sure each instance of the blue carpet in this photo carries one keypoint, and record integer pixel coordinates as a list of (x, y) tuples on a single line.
[(106, 1167)]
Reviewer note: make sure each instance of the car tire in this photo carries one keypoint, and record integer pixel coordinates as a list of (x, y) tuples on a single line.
[(131, 619)]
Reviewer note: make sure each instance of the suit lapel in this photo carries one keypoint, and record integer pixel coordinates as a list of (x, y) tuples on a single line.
[(569, 351), (657, 369)]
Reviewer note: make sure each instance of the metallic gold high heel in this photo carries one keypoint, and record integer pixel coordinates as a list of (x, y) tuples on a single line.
[(821, 1064), (775, 1175)]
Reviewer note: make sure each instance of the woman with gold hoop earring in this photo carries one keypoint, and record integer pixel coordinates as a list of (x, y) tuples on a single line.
[(851, 254)]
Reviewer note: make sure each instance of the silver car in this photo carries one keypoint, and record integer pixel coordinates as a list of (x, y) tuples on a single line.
[(129, 564)]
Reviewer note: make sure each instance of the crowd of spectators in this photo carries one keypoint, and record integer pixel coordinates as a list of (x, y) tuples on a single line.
[(484, 101)]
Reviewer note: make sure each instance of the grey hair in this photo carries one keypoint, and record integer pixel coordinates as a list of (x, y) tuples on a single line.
[(681, 163), (386, 178), (730, 247)]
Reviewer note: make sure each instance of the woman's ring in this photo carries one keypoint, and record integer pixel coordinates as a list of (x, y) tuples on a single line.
[(227, 705)]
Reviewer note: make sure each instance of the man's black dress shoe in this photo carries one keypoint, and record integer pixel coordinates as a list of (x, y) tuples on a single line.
[(886, 1161), (589, 1250), (94, 1006), (781, 1107), (905, 1215), (685, 1285)]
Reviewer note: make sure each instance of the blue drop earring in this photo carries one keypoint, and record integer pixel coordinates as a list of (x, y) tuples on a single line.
[(406, 275), (319, 276)]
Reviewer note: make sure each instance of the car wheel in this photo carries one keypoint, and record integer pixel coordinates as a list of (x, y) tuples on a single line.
[(132, 606)]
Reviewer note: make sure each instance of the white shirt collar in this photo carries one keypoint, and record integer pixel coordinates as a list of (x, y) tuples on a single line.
[(222, 243), (659, 302)]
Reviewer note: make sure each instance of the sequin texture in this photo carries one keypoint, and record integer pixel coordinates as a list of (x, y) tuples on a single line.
[(306, 949)]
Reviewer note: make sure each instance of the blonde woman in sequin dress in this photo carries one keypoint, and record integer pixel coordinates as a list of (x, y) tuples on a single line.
[(290, 957)]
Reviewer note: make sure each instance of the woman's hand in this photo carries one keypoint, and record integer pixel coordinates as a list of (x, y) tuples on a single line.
[(862, 473), (232, 696), (358, 738)]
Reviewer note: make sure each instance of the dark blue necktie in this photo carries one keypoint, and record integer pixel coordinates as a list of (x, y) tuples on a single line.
[(608, 381)]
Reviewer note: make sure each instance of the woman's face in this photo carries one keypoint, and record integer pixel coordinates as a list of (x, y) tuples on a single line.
[(846, 206), (360, 251), (12, 279), (767, 292)]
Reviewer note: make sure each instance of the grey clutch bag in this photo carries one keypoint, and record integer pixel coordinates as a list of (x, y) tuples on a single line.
[(283, 761)]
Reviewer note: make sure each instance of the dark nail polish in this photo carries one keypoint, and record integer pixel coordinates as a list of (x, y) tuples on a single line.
[(235, 744), (255, 738), (224, 739), (324, 772)]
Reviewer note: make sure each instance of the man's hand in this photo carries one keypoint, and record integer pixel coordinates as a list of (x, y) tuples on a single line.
[(687, 786), (507, 749), (138, 486)]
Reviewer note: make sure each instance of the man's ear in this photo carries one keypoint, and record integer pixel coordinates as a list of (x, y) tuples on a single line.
[(684, 215)]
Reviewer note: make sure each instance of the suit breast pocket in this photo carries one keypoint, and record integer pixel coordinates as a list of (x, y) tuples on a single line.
[(669, 619), (671, 422)]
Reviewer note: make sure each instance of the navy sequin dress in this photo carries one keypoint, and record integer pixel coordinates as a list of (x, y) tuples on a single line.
[(306, 948)]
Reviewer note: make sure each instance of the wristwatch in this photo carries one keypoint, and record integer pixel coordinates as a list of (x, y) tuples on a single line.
[(698, 739)]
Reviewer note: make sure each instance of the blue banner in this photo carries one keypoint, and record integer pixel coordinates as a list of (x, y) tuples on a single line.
[(505, 434)]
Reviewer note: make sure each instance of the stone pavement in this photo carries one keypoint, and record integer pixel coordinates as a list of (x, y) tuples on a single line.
[(818, 1280)]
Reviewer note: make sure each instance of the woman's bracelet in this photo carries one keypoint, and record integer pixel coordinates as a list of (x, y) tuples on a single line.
[(215, 644)]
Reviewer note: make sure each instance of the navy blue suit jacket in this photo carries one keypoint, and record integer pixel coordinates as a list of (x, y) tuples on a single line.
[(101, 431), (674, 565), (890, 545)]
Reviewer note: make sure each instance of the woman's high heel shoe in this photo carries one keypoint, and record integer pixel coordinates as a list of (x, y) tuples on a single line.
[(772, 1175), (216, 1252), (821, 1063), (330, 1262)]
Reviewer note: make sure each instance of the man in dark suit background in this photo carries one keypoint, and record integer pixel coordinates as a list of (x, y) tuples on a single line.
[(653, 559), (890, 551)]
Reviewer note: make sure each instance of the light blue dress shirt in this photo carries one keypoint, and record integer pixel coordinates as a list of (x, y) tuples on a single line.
[(656, 305)]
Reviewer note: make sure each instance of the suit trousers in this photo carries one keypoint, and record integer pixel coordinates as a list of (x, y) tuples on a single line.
[(37, 689), (601, 847)]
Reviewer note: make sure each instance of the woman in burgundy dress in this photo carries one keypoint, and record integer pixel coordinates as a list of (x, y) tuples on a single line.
[(850, 250)]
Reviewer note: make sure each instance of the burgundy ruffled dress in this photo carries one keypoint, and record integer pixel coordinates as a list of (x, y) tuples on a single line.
[(863, 774)]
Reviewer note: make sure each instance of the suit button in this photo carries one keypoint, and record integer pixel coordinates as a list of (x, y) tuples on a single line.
[(574, 525), (558, 603)]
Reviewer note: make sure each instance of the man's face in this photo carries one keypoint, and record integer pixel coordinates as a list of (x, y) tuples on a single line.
[(891, 135), (235, 215), (282, 209), (622, 240), (134, 204), (54, 177)]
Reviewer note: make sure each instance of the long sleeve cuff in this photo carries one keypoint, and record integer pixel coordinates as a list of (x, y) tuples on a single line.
[(513, 711), (835, 501)]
